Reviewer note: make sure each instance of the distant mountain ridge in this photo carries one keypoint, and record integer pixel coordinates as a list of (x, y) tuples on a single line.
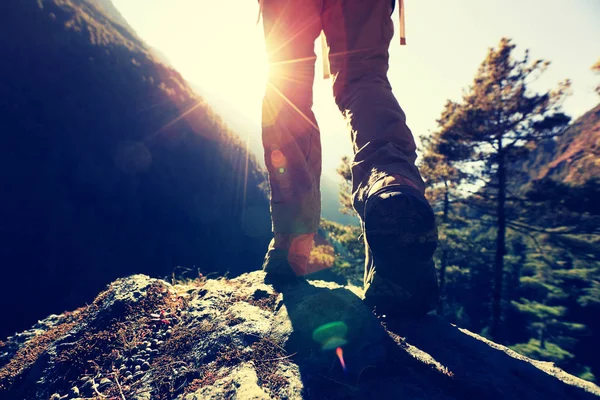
[(574, 157), (109, 8)]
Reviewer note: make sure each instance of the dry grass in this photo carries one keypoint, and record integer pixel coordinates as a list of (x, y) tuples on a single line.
[(18, 366), (267, 355), (207, 378), (266, 303), (187, 277), (95, 350), (175, 353), (158, 298), (124, 333)]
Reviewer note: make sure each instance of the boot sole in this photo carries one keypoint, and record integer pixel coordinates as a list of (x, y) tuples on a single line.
[(401, 233)]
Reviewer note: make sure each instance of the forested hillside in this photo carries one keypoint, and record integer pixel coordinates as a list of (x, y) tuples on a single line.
[(515, 185), (109, 164)]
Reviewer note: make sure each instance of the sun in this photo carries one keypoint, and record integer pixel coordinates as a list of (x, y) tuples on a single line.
[(233, 66), (219, 49), (238, 73)]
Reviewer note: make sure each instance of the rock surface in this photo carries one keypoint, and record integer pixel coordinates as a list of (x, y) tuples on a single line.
[(144, 338)]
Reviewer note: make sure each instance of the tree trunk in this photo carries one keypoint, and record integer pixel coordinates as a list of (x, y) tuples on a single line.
[(500, 248), (543, 336), (444, 257)]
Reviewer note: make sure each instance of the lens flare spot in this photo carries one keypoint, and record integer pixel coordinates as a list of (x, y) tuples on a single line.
[(333, 343), (331, 334), (281, 170), (340, 354), (277, 158)]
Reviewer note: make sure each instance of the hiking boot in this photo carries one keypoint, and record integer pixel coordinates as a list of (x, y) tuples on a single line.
[(287, 258), (400, 239)]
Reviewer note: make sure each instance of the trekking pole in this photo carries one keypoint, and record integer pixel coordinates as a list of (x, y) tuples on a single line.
[(402, 23)]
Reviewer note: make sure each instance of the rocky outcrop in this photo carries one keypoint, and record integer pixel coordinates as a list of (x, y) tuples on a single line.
[(144, 338)]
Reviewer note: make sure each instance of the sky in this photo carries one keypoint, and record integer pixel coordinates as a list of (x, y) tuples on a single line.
[(218, 47)]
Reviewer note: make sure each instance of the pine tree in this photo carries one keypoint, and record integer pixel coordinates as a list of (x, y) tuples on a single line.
[(596, 69), (565, 222), (490, 129), (547, 291), (443, 180)]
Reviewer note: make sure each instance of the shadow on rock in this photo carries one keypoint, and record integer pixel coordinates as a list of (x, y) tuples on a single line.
[(375, 363), (426, 358), (484, 367)]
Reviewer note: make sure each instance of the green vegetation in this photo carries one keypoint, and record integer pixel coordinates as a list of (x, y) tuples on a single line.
[(517, 194)]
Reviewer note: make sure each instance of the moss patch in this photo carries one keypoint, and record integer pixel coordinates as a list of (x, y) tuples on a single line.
[(22, 361)]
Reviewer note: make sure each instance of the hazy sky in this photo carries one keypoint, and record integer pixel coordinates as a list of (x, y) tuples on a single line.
[(217, 46)]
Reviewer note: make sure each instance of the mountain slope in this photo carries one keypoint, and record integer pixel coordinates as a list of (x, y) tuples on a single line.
[(573, 157), (110, 10), (109, 164)]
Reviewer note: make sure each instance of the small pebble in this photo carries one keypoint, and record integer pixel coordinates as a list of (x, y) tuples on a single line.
[(146, 366), (90, 382), (87, 386), (138, 368), (128, 373), (104, 383), (74, 392), (55, 396)]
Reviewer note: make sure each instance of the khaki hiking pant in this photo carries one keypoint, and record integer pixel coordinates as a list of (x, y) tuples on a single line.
[(358, 34)]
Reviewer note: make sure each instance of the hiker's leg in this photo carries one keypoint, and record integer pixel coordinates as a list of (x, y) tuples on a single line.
[(398, 223), (290, 133), (359, 34)]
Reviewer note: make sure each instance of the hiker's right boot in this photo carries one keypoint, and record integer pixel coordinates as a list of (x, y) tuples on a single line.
[(400, 238)]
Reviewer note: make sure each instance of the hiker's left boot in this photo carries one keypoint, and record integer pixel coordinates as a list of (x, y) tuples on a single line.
[(287, 258)]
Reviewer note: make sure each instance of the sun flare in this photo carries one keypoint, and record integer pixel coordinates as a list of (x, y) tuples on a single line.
[(236, 72)]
